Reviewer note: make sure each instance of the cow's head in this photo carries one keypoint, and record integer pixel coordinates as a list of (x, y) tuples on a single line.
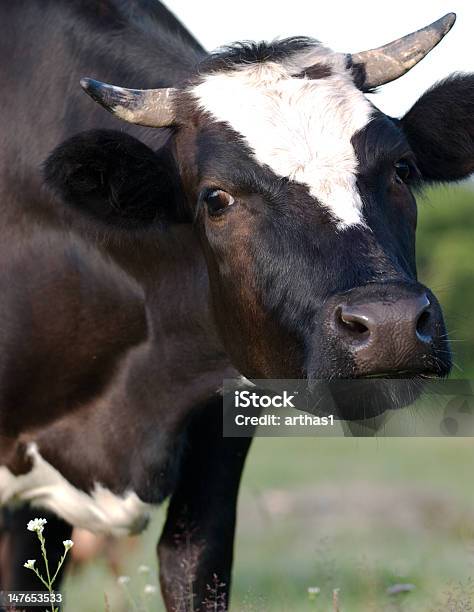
[(302, 195)]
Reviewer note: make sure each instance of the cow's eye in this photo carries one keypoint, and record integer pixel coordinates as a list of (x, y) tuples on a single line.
[(217, 201), (402, 171)]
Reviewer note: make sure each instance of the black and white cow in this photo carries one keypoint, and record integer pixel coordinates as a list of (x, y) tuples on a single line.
[(264, 228)]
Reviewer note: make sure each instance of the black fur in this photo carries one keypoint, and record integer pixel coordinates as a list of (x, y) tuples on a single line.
[(380, 145), (318, 71), (248, 52), (440, 129), (116, 179), (358, 72)]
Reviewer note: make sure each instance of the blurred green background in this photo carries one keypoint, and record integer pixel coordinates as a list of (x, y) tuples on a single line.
[(445, 250), (358, 515)]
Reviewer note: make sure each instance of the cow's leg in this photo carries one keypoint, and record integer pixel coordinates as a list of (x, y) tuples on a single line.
[(196, 547), (17, 545)]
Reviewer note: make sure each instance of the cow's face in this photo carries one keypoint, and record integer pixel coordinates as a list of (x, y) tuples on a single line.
[(302, 194)]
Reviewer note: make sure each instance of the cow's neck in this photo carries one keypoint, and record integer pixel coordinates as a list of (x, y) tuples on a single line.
[(182, 334)]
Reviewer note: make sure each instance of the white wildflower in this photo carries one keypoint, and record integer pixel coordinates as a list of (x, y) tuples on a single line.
[(143, 569), (30, 564), (313, 592), (37, 525), (122, 580), (68, 544), (150, 589)]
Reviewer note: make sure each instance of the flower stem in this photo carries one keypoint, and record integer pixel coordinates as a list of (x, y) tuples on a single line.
[(49, 585)]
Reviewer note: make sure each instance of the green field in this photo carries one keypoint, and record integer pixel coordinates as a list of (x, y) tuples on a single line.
[(355, 514), (358, 515)]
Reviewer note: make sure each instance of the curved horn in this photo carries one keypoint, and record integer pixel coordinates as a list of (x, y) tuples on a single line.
[(150, 107), (394, 59)]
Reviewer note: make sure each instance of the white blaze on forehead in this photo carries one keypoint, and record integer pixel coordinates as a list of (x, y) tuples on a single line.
[(300, 128)]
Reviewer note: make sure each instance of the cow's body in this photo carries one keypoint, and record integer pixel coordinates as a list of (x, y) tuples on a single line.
[(83, 316), (89, 347), (120, 315)]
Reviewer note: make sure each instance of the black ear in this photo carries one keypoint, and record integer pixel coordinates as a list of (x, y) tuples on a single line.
[(440, 129), (116, 179)]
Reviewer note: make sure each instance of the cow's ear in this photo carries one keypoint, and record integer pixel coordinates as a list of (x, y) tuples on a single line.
[(116, 179), (440, 129)]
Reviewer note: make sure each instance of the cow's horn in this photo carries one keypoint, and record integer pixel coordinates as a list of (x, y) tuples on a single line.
[(150, 107), (391, 61)]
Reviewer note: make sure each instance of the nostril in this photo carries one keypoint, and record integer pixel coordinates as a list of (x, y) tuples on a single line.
[(355, 327), (423, 326), (351, 323)]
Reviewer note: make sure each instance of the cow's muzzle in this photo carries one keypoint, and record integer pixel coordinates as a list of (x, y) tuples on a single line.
[(390, 330)]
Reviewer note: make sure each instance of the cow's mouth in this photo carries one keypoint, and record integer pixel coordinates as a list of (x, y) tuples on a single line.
[(402, 375), (369, 396)]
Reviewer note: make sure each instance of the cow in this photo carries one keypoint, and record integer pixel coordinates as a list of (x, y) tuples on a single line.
[(244, 214)]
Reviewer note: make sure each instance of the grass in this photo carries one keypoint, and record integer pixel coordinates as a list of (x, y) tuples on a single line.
[(359, 515)]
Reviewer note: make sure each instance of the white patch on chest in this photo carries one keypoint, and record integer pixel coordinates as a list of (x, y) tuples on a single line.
[(300, 128), (100, 511)]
